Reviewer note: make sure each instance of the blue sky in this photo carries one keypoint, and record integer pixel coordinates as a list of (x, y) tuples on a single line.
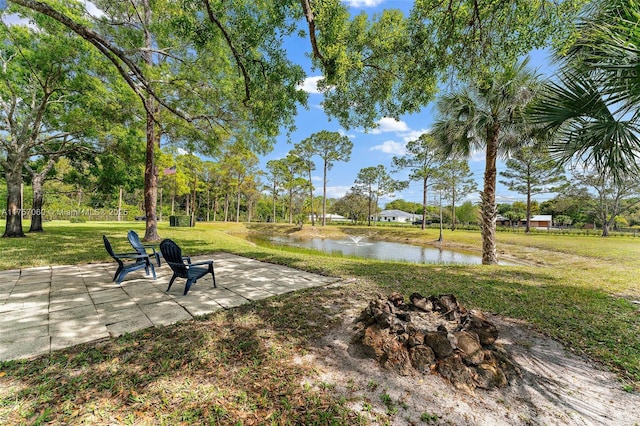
[(380, 145)]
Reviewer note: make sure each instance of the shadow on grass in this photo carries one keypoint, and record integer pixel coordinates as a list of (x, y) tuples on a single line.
[(229, 367)]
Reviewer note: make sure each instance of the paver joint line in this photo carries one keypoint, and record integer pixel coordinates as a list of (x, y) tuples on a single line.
[(63, 306)]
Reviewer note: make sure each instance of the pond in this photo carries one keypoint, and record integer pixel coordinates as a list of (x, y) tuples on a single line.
[(376, 249)]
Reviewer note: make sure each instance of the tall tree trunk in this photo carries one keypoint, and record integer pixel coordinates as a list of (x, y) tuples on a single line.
[(607, 220), (120, 205), (194, 206), (37, 182), (273, 220), (324, 195), (238, 207), (453, 216), (453, 208), (150, 180), (38, 202), (161, 206), (208, 206), (313, 218), (150, 172), (13, 226), (226, 207), (375, 207), (441, 236), (173, 199), (290, 206), (527, 228), (370, 202), (488, 197), (424, 203)]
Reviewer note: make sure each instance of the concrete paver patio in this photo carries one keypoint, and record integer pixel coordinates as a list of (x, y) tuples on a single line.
[(49, 308)]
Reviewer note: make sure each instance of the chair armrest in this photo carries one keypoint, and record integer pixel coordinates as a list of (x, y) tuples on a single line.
[(132, 256), (129, 253), (203, 262)]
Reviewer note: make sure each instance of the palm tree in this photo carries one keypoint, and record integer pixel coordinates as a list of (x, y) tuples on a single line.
[(592, 107), (487, 115)]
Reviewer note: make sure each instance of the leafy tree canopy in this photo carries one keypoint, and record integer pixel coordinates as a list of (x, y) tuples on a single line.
[(391, 64), (219, 66)]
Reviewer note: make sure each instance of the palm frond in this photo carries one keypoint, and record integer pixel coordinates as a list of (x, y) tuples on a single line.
[(589, 125), (609, 42)]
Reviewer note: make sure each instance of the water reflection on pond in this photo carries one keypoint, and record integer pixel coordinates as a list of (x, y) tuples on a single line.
[(375, 249)]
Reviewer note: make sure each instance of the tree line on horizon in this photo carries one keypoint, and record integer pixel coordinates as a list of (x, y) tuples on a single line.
[(235, 190)]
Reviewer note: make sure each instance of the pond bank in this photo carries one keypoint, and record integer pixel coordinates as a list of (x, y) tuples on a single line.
[(404, 235)]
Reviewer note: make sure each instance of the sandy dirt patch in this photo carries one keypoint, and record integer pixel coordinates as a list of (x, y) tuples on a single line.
[(555, 386)]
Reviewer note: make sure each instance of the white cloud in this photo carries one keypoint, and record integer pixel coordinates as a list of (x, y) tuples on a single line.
[(337, 191), (363, 3), (388, 124), (310, 84), (477, 156), (414, 135), (342, 132), (390, 147), (506, 198), (474, 197)]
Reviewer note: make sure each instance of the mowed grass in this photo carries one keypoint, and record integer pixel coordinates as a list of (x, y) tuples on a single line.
[(243, 366)]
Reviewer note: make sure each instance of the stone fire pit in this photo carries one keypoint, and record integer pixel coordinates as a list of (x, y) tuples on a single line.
[(434, 335)]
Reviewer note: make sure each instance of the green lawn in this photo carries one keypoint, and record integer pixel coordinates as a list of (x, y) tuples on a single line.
[(234, 366)]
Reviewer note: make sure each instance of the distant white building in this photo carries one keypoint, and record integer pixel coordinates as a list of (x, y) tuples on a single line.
[(330, 217), (396, 216)]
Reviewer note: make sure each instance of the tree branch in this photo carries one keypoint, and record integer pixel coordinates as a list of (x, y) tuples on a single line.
[(308, 14), (236, 55), (132, 74)]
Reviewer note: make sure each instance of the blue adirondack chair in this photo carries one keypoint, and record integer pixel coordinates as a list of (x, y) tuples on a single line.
[(182, 266), (140, 248), (128, 262)]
